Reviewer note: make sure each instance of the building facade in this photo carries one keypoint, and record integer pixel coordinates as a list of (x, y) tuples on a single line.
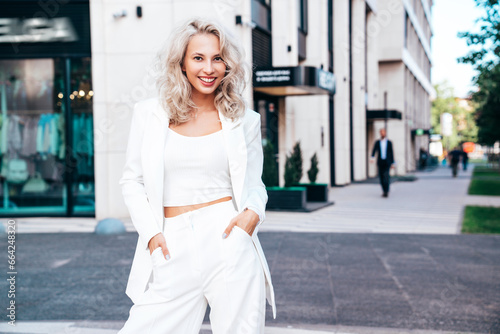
[(404, 77), (326, 73)]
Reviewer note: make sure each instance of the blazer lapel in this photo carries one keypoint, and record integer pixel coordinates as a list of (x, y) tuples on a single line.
[(234, 139), (153, 158)]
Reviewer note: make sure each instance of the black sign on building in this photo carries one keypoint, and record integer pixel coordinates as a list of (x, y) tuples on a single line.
[(299, 80)]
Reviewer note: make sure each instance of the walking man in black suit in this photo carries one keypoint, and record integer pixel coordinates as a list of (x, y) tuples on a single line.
[(385, 160)]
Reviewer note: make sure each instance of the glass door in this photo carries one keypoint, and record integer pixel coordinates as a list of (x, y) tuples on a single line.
[(267, 106), (81, 181)]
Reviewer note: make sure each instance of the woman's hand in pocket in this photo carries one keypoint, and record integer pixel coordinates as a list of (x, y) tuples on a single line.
[(159, 241), (247, 221)]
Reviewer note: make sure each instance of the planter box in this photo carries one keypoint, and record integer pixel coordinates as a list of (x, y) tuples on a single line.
[(316, 192), (288, 198)]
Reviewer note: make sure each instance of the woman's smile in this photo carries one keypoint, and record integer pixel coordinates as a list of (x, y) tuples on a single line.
[(207, 81)]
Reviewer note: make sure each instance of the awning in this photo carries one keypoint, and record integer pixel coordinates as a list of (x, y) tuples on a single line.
[(299, 80), (381, 114)]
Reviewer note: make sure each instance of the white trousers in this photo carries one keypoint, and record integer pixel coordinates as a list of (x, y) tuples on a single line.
[(203, 268)]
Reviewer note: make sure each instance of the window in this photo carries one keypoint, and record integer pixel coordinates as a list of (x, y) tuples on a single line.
[(46, 137), (302, 10), (261, 14), (302, 28), (330, 35), (261, 34)]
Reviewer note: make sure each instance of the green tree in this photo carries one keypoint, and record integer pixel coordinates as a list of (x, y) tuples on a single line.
[(312, 173), (464, 127), (485, 57), (293, 166)]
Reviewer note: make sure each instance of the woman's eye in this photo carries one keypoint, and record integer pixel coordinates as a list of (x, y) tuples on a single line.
[(197, 58), (218, 59)]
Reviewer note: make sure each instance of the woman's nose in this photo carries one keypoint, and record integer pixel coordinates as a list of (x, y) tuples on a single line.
[(209, 68)]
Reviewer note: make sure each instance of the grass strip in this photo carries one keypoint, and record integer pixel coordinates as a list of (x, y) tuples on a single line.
[(485, 181), (481, 219)]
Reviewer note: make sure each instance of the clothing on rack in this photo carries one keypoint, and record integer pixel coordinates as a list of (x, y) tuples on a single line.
[(29, 137), (4, 135), (48, 134), (83, 141), (14, 138)]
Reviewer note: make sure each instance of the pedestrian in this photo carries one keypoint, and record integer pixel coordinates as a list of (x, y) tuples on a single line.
[(192, 184), (423, 158), (454, 157), (465, 159), (385, 160)]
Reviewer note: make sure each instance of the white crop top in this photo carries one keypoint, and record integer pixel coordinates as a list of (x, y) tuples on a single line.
[(196, 169)]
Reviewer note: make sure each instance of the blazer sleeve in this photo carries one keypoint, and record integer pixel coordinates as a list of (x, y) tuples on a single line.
[(132, 184), (391, 150), (257, 193), (374, 148)]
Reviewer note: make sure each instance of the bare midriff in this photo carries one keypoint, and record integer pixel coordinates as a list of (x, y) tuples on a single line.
[(172, 211)]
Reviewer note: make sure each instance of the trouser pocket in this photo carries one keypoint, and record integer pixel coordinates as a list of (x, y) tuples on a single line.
[(162, 275), (242, 260)]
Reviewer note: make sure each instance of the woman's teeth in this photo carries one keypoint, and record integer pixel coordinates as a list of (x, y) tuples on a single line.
[(207, 79)]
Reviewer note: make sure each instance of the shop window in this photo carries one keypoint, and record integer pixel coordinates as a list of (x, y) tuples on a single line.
[(82, 138), (46, 137)]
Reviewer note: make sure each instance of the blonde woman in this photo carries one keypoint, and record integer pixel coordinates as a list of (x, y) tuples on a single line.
[(192, 184)]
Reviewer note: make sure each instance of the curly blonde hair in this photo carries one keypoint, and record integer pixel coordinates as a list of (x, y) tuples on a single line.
[(173, 85)]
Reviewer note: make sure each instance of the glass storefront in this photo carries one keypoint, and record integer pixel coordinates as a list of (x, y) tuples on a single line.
[(46, 114), (46, 137)]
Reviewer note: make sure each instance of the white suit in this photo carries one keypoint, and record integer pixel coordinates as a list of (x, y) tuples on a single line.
[(142, 183)]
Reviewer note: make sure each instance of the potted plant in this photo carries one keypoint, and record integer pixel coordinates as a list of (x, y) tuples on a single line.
[(316, 192), (289, 197)]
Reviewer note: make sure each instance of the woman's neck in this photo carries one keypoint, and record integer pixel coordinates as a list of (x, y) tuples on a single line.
[(204, 102)]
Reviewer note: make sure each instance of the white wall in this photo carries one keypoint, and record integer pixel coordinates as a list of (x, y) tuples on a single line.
[(341, 100), (300, 122), (392, 80), (284, 26), (373, 31), (358, 44)]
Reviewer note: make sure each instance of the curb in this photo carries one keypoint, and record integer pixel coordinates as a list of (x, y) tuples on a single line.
[(112, 327)]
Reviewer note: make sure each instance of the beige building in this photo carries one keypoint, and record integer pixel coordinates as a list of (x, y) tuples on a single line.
[(404, 77), (327, 73)]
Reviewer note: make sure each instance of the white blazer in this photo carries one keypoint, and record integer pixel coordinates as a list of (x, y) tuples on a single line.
[(142, 182)]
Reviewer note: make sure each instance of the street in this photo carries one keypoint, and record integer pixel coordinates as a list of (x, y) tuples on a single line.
[(405, 280)]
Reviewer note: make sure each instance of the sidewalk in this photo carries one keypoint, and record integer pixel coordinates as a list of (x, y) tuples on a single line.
[(433, 204)]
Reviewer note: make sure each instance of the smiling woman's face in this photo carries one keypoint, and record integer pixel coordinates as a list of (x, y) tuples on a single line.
[(203, 64)]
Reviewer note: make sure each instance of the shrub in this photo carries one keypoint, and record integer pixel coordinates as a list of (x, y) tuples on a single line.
[(270, 171), (293, 166), (312, 173)]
